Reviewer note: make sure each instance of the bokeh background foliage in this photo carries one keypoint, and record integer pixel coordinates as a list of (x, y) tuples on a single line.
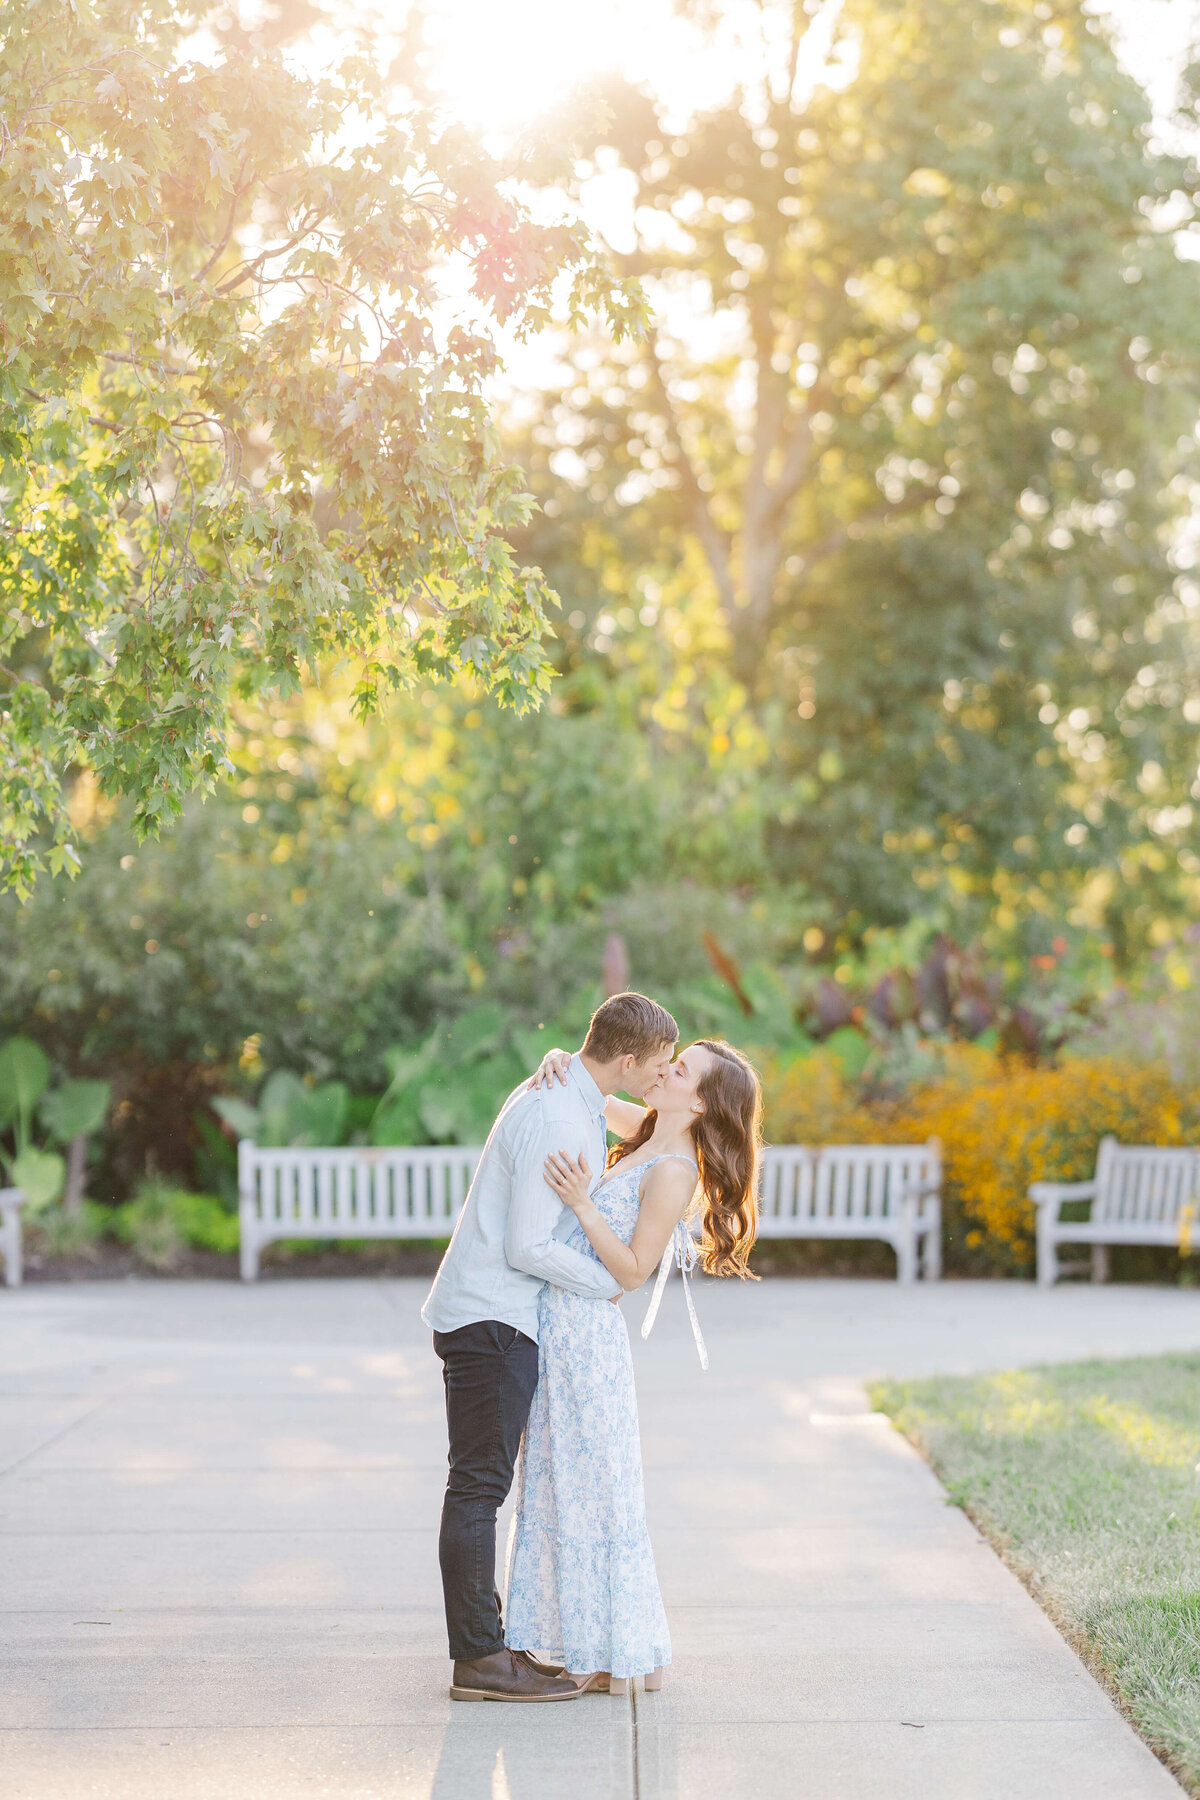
[(871, 737)]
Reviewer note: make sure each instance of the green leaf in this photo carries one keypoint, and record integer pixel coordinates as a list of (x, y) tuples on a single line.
[(849, 1049), (40, 1175), (473, 1034), (438, 1113), (774, 1017), (289, 1111), (320, 1116), (24, 1075), (405, 1065), (532, 1045), (482, 1091), (75, 1108), (280, 1101), (238, 1115), (399, 1120), (711, 1010)]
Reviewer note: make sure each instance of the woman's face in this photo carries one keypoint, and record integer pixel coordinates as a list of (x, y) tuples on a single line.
[(676, 1091)]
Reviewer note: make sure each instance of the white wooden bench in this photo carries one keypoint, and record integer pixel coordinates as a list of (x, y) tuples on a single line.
[(888, 1191), (1140, 1194), (11, 1202), (350, 1193)]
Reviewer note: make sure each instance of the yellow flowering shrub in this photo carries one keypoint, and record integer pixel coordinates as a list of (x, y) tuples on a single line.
[(1002, 1125), (810, 1102)]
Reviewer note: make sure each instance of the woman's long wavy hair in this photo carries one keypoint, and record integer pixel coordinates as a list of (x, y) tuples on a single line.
[(728, 1140)]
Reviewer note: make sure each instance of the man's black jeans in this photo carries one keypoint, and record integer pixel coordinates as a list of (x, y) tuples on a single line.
[(490, 1371)]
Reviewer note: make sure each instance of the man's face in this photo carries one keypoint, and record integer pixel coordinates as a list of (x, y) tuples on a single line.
[(641, 1078)]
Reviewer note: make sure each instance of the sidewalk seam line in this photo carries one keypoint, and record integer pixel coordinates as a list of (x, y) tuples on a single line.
[(12, 1467)]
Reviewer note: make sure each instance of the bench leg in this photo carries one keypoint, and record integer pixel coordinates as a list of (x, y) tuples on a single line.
[(931, 1251), (1100, 1262), (248, 1254), (10, 1243), (1047, 1260), (906, 1258)]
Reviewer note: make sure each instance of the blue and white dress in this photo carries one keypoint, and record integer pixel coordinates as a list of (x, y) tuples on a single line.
[(582, 1590)]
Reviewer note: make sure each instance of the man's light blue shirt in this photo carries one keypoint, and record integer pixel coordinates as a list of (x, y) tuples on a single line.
[(507, 1242)]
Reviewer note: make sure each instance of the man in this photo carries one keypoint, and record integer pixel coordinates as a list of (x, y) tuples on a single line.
[(484, 1313)]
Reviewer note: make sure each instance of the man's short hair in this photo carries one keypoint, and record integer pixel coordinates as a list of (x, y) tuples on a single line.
[(629, 1025)]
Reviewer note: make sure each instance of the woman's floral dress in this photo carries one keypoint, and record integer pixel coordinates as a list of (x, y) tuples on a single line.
[(582, 1590)]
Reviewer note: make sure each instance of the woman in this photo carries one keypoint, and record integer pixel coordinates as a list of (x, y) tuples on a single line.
[(582, 1590)]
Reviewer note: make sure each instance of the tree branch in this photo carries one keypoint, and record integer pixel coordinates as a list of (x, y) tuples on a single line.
[(837, 540), (238, 192), (92, 418), (712, 540), (249, 266), (796, 458)]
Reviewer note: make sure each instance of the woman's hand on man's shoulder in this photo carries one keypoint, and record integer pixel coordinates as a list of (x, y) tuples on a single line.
[(552, 1068)]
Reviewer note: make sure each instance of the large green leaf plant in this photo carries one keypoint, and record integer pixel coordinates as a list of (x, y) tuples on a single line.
[(289, 1111), (68, 1114), (446, 1089), (450, 1087)]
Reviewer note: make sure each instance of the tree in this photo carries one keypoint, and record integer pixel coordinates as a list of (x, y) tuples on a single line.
[(242, 430), (935, 466)]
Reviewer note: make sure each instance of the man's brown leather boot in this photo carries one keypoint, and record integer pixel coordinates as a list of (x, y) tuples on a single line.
[(508, 1677)]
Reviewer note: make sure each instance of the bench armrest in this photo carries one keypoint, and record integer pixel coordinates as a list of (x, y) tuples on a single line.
[(1053, 1193), (11, 1198), (930, 1190)]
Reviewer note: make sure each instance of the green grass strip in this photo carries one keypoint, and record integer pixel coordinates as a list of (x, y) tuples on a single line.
[(1085, 1477)]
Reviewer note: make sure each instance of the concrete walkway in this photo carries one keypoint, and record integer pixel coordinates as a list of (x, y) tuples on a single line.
[(218, 1512)]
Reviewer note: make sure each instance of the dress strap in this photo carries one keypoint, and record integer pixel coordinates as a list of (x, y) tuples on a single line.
[(683, 1250), (641, 1169)]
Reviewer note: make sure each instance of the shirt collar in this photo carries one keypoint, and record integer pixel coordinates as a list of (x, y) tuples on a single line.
[(593, 1098)]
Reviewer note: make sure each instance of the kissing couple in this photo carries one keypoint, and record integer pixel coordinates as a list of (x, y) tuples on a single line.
[(536, 1360)]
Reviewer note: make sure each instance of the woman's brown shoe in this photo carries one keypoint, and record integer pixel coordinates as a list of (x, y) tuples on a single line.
[(506, 1676), (593, 1684)]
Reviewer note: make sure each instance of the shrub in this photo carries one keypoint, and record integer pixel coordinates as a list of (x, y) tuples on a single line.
[(161, 1222), (811, 1101), (57, 1232)]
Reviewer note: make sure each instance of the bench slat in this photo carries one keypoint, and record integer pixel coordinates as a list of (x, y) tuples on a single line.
[(1144, 1184)]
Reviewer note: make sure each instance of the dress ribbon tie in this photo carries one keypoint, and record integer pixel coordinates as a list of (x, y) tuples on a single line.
[(684, 1250)]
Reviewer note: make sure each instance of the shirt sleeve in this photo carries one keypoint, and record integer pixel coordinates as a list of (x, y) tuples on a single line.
[(534, 1210)]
